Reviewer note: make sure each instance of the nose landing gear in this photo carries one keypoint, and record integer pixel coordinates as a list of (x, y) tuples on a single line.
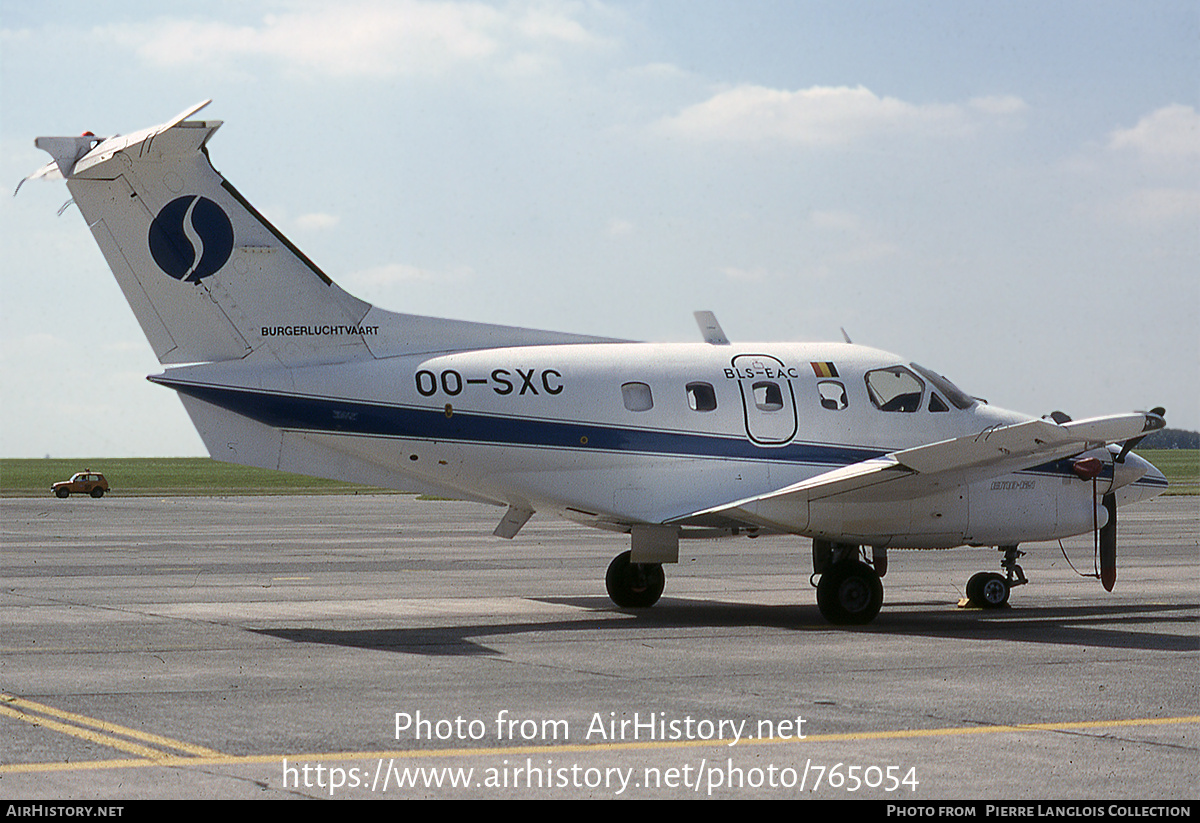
[(989, 590)]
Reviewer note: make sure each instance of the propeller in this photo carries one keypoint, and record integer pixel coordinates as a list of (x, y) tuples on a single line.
[(1104, 538), (1108, 544), (1089, 468)]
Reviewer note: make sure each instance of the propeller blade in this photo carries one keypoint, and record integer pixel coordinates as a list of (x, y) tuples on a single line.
[(1108, 544)]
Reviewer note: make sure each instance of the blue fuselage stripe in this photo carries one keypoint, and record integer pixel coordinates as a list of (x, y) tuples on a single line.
[(356, 418), (321, 414)]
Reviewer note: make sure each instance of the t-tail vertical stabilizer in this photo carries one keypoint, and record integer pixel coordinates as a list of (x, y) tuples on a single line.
[(210, 279)]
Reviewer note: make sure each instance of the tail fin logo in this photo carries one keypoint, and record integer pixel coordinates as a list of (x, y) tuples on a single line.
[(191, 238)]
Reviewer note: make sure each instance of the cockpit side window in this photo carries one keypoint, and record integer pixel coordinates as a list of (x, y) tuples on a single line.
[(953, 393), (937, 404), (895, 389)]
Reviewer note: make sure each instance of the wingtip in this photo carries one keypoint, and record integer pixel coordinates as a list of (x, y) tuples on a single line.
[(1156, 419)]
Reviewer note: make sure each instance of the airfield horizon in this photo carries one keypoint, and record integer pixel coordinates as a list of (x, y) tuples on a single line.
[(204, 476)]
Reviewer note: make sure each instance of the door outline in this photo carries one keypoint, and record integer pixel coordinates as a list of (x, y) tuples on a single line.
[(765, 427)]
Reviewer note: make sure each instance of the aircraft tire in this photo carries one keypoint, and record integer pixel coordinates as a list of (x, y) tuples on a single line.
[(973, 588), (988, 590), (634, 585), (850, 593)]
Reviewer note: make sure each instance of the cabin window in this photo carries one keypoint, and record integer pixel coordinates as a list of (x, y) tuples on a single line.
[(637, 397), (833, 395), (702, 397), (895, 389), (767, 396)]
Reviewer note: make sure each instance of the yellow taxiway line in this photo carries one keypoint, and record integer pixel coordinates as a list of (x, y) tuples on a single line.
[(156, 754)]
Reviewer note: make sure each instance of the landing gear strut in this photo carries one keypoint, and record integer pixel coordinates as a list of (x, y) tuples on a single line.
[(989, 590), (634, 585)]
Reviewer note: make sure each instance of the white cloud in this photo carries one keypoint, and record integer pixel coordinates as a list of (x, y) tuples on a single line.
[(317, 221), (618, 227), (367, 38), (549, 22), (824, 115), (1170, 133), (1157, 162), (658, 71)]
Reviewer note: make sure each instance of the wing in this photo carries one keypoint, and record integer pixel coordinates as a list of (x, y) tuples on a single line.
[(923, 470)]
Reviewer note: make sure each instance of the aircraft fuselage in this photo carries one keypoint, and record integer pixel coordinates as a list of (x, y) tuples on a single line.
[(620, 433)]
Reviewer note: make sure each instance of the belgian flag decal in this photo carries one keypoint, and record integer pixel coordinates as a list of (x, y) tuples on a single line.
[(824, 369)]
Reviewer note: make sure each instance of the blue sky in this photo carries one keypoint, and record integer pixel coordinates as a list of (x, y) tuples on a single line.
[(1006, 192)]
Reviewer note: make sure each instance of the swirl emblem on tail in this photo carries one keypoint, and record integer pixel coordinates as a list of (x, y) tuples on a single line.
[(191, 238)]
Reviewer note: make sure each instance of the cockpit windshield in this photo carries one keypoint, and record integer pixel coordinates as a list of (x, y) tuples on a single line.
[(953, 393)]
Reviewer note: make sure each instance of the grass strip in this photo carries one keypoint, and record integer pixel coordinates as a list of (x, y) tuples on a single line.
[(183, 476), (164, 476)]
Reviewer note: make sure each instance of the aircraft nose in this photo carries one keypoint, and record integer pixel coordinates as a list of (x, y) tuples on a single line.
[(1136, 479), (1152, 475), (1132, 470)]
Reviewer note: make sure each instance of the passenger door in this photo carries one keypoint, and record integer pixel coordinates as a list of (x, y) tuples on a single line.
[(768, 402)]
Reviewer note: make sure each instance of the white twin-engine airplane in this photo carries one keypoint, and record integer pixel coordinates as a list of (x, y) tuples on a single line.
[(850, 446)]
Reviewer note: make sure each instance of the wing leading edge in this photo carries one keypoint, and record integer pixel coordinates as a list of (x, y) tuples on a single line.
[(923, 470)]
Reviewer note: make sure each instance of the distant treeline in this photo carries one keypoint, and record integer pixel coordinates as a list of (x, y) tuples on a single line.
[(1171, 439)]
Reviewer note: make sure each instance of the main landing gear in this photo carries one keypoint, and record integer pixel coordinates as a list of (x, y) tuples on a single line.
[(634, 585), (990, 590), (850, 591)]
